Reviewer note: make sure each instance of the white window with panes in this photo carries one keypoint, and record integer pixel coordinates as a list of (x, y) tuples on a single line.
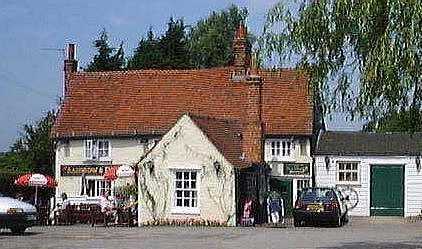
[(348, 172), (97, 187), (185, 198), (98, 149), (279, 148)]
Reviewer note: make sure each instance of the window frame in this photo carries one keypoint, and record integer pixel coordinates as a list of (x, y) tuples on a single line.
[(86, 150), (181, 209), (345, 182), (303, 147), (280, 149), (94, 151), (108, 149), (97, 186), (66, 149)]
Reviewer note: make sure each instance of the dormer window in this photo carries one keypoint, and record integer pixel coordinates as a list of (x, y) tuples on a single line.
[(97, 149)]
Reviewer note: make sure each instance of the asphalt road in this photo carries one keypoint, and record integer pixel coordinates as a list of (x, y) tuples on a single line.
[(359, 233)]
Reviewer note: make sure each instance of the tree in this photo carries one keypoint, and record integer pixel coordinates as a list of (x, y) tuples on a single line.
[(211, 39), (34, 150), (174, 49), (404, 121), (148, 54), (363, 57), (106, 58), (168, 52)]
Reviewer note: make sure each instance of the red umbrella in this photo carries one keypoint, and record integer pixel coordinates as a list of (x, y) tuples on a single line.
[(37, 180)]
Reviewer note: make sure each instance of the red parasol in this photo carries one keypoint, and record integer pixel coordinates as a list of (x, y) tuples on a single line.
[(36, 180)]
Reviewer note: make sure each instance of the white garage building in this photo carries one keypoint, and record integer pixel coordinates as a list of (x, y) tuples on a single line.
[(381, 172)]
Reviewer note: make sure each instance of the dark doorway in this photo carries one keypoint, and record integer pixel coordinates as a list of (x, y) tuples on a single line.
[(285, 189)]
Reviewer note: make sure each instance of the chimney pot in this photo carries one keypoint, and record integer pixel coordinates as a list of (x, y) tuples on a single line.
[(71, 51), (70, 66), (241, 52)]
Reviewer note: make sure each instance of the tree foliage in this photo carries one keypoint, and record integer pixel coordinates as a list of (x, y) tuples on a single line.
[(363, 57), (33, 151), (211, 40), (107, 58), (207, 44), (148, 54), (405, 121), (167, 52), (174, 46)]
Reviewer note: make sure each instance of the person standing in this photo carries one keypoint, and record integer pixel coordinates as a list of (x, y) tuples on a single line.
[(275, 206)]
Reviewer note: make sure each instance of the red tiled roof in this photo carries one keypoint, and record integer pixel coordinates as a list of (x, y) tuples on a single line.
[(226, 135), (150, 101)]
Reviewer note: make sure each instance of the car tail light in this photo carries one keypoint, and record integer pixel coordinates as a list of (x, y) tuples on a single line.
[(331, 206)]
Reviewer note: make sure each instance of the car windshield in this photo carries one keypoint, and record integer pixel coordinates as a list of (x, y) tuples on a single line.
[(317, 194)]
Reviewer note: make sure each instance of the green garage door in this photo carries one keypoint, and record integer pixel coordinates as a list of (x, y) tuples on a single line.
[(387, 190)]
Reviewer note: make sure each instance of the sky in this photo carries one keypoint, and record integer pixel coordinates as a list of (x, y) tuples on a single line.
[(32, 34)]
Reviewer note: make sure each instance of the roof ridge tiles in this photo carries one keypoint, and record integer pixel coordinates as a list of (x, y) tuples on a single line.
[(135, 71)]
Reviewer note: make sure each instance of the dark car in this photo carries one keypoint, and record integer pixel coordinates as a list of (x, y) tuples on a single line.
[(16, 215), (320, 205)]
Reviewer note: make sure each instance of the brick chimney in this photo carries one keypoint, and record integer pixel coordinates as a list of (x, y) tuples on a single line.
[(252, 128), (241, 51), (252, 145), (70, 66)]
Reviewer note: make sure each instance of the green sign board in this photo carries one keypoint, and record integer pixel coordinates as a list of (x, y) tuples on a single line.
[(296, 169)]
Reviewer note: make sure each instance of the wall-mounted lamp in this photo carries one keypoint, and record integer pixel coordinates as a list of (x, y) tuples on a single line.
[(150, 166), (327, 163), (217, 167), (418, 163)]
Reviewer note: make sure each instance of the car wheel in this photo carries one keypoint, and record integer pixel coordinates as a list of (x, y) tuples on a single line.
[(18, 230)]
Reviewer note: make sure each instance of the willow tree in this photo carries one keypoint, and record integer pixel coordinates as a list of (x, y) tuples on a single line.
[(363, 57)]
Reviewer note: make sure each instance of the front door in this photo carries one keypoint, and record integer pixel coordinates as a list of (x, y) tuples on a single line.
[(285, 189), (387, 190)]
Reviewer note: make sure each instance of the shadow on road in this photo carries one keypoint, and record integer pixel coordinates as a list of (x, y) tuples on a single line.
[(8, 233), (373, 245)]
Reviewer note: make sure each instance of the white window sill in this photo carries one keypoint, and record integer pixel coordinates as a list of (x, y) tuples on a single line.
[(348, 183), (180, 210), (281, 159), (102, 159)]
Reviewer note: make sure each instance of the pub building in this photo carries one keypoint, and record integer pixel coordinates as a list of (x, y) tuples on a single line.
[(255, 123)]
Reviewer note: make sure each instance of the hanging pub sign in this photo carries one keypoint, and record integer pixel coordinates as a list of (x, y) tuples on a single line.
[(296, 169), (88, 170)]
